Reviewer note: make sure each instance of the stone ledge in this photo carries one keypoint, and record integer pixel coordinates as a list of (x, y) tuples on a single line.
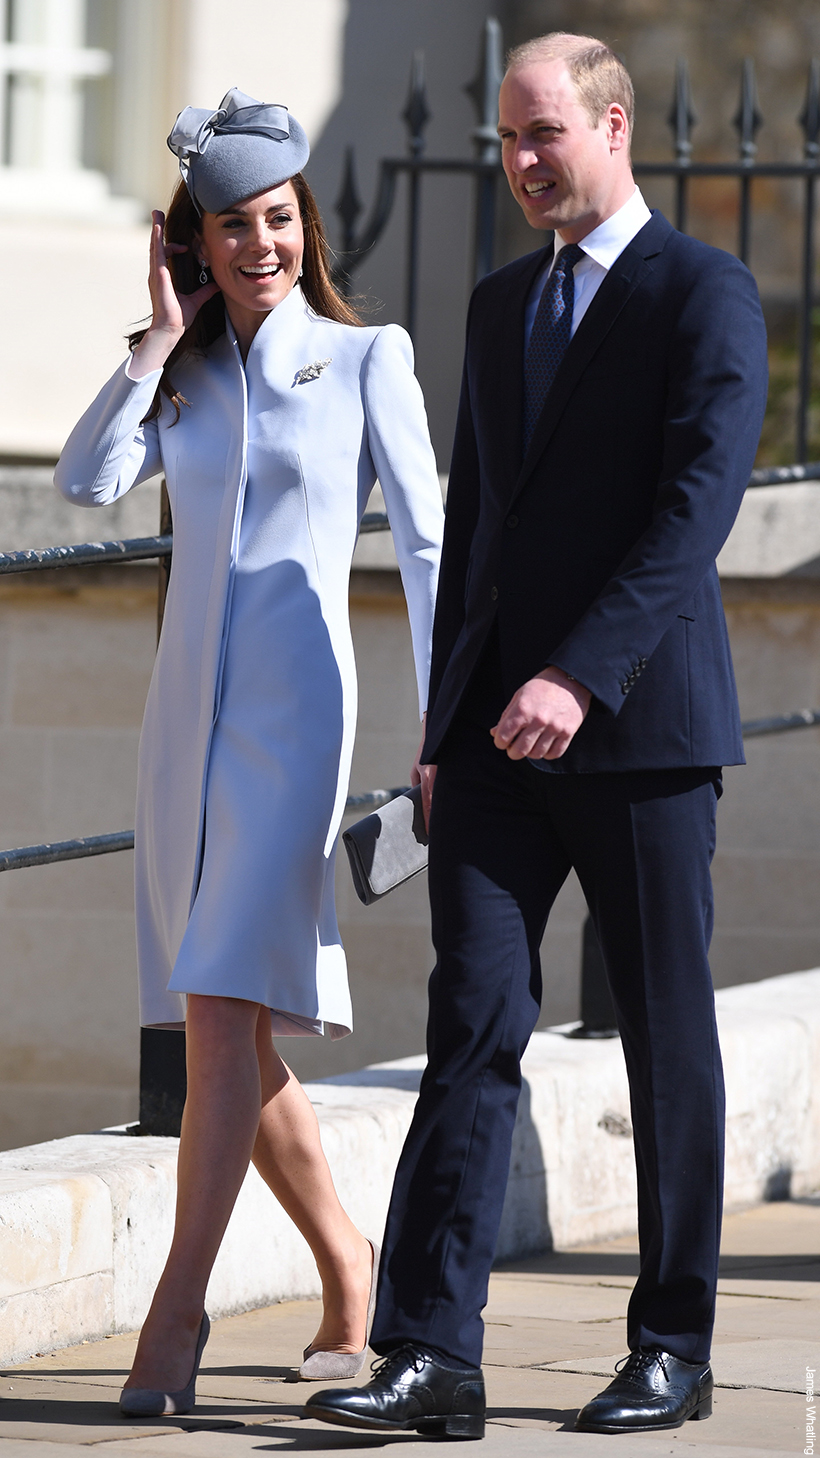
[(85, 1222), (777, 534), (33, 515)]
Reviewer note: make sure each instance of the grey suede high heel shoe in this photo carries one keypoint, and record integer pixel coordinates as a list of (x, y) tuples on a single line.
[(145, 1402), (321, 1366)]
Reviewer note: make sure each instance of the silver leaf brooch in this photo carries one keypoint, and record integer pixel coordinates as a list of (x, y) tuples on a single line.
[(311, 371)]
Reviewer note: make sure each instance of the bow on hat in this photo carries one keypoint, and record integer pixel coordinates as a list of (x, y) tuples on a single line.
[(238, 113)]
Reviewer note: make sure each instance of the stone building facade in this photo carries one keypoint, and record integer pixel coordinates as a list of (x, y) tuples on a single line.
[(90, 88)]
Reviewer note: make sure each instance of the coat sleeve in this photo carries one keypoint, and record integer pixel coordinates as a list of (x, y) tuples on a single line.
[(399, 442), (715, 403), (463, 495), (109, 451)]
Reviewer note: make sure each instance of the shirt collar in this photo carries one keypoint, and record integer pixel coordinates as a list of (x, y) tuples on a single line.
[(608, 241)]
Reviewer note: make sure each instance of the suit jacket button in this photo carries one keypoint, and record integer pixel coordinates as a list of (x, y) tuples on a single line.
[(494, 594), (624, 688), (512, 521)]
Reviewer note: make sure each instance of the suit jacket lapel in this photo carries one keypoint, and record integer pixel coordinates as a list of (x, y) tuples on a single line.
[(625, 275), (503, 374)]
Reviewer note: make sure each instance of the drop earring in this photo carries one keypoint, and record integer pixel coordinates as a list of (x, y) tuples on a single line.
[(203, 276), (301, 271)]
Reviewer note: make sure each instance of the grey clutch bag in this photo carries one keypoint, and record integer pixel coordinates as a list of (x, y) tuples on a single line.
[(388, 847)]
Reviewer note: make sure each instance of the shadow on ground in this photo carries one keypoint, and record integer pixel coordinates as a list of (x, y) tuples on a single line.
[(620, 1264)]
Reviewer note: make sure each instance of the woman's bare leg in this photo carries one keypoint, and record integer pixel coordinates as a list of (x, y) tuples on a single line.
[(233, 1071), (219, 1127), (289, 1156)]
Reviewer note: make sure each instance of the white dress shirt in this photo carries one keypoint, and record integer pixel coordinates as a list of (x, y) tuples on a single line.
[(601, 248)]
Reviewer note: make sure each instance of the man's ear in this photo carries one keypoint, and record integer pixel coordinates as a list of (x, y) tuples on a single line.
[(617, 124)]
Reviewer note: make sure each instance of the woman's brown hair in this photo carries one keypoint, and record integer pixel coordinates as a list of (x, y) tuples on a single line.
[(182, 225)]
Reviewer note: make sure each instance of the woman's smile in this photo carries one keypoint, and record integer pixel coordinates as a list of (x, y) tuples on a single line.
[(254, 251)]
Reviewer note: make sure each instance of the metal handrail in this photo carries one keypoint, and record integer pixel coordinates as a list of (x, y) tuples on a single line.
[(51, 853), (779, 723), (133, 549), (66, 850), (86, 554), (785, 475), (140, 549), (100, 845), (145, 549)]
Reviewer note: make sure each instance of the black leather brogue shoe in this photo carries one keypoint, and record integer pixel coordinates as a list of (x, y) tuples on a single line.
[(409, 1389), (652, 1391)]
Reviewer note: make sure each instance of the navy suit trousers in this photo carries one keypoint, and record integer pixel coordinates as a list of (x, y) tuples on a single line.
[(503, 838)]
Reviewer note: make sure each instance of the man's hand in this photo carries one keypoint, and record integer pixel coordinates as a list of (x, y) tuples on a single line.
[(542, 718), (424, 775)]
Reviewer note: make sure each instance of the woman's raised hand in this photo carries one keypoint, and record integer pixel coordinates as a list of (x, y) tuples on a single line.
[(173, 313)]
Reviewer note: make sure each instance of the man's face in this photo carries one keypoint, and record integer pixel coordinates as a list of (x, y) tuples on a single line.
[(562, 171)]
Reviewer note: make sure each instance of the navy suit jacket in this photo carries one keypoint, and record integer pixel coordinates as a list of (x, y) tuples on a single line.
[(597, 551)]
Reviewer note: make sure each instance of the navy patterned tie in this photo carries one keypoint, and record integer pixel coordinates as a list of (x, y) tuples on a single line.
[(550, 336)]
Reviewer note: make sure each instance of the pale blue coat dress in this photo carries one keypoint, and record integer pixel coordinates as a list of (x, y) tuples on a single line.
[(248, 732)]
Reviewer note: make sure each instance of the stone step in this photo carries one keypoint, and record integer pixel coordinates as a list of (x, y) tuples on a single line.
[(85, 1222)]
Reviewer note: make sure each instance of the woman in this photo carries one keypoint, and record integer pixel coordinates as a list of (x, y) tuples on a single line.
[(271, 413)]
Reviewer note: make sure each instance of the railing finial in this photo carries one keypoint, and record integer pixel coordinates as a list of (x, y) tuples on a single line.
[(748, 119), (348, 204), (681, 116), (417, 112), (483, 91), (810, 115)]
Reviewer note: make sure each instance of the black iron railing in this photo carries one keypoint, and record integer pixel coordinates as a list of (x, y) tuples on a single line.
[(682, 169), (781, 723), (134, 549), (745, 170), (485, 167), (86, 554), (92, 554)]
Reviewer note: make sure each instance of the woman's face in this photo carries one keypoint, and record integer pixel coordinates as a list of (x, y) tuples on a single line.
[(254, 251)]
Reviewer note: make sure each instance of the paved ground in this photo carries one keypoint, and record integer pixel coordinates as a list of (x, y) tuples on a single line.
[(553, 1323)]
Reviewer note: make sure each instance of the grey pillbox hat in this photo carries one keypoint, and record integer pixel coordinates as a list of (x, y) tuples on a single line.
[(244, 147)]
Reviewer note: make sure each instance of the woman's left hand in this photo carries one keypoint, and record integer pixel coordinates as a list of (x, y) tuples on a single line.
[(424, 775)]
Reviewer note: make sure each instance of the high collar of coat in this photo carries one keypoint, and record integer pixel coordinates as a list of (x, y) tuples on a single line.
[(285, 317)]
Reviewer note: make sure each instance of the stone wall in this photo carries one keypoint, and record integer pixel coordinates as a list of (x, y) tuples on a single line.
[(76, 650), (76, 660)]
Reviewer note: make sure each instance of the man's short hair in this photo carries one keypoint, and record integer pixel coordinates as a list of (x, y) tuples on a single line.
[(599, 77)]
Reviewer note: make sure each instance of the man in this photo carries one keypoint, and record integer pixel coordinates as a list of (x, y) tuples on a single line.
[(582, 703)]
